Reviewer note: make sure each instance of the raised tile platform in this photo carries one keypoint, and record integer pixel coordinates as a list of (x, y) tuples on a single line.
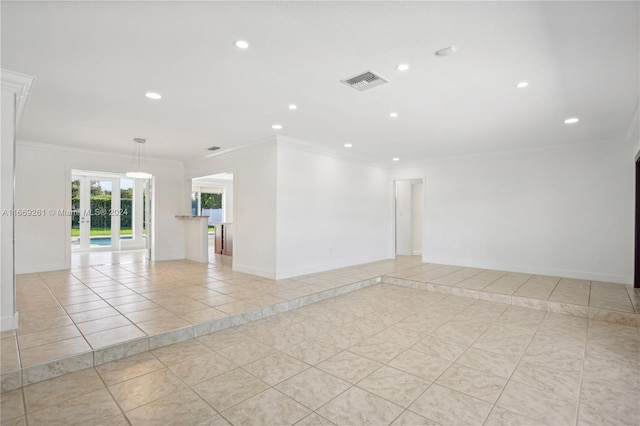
[(89, 316)]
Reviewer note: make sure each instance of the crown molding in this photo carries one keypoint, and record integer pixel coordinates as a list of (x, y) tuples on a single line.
[(111, 155), (581, 146), (224, 151), (21, 85), (317, 149)]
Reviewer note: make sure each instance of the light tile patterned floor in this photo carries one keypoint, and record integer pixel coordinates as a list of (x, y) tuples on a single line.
[(471, 362), (381, 355)]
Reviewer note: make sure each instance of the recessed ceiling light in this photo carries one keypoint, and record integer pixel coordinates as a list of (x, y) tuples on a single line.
[(348, 145), (448, 51), (277, 127), (393, 115), (293, 107), (402, 67), (571, 120), (242, 44), (522, 85), (153, 95), (395, 159)]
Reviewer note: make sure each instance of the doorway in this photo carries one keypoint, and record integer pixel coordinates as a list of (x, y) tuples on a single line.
[(213, 196), (109, 212), (409, 216), (93, 227)]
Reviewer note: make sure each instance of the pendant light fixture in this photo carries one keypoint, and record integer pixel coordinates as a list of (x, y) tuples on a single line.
[(138, 172)]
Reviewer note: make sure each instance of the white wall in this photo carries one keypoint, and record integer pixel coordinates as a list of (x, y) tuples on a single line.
[(404, 218), (565, 211), (331, 212), (417, 216), (43, 181), (254, 172), (227, 202)]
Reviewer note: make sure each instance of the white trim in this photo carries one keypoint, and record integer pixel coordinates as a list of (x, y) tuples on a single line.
[(32, 269), (564, 273), (296, 272), (232, 149), (317, 149), (199, 167), (200, 175), (292, 143), (431, 160), (254, 271), (157, 162), (105, 175), (21, 85), (391, 227), (9, 322), (417, 252)]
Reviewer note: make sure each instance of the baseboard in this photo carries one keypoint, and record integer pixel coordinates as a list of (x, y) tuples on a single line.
[(164, 258), (417, 252), (556, 272), (32, 269), (296, 272), (9, 322), (254, 271)]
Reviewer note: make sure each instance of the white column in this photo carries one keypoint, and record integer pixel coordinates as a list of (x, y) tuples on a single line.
[(15, 89)]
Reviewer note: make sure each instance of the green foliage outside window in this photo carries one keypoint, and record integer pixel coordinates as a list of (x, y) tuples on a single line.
[(211, 201), (100, 206)]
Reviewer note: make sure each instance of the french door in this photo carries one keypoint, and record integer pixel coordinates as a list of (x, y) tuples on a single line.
[(96, 213)]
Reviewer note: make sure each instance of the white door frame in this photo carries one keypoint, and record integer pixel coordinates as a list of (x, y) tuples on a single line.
[(86, 213), (421, 179)]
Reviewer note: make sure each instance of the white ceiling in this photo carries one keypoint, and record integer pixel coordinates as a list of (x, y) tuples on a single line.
[(95, 60)]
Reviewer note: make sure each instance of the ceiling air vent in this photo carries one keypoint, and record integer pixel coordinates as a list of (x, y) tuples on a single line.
[(213, 148), (365, 81)]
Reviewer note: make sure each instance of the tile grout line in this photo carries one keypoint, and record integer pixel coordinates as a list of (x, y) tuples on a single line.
[(349, 288), (584, 360), (404, 410), (126, 418), (453, 362), (514, 370), (24, 406), (432, 381), (379, 278), (190, 387), (424, 287)]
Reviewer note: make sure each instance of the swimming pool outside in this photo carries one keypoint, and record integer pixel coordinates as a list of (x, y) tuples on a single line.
[(100, 241)]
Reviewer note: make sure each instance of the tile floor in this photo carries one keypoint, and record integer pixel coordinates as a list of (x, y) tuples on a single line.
[(380, 355)]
